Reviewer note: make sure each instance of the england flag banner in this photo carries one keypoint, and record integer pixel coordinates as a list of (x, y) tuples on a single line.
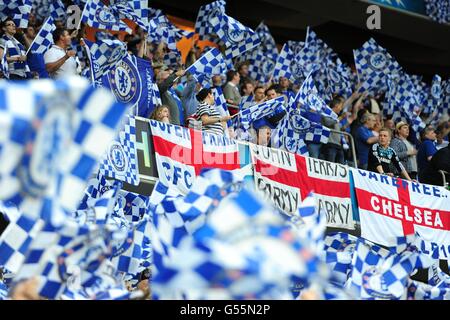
[(391, 207), (287, 179), (182, 153)]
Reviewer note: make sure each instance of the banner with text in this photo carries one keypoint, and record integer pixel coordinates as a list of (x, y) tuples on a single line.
[(391, 207), (181, 153), (287, 178)]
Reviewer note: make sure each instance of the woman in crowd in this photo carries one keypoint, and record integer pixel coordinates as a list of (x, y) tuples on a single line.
[(15, 52), (211, 119), (161, 113), (405, 150), (383, 159)]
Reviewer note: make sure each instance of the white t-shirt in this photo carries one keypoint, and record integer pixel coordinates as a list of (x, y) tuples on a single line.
[(69, 68)]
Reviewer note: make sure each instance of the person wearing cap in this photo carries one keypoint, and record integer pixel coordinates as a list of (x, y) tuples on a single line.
[(405, 150), (14, 51), (211, 119), (383, 159)]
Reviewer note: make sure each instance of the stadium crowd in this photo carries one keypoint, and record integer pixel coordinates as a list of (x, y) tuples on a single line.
[(382, 145), (185, 103)]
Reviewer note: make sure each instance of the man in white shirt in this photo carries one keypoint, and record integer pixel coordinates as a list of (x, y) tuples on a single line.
[(230, 90), (61, 62)]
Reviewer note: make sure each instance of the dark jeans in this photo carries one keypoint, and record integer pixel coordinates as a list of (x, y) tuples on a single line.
[(333, 153), (314, 150), (16, 77)]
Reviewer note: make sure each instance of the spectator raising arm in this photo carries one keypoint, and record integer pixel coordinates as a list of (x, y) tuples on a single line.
[(52, 67)]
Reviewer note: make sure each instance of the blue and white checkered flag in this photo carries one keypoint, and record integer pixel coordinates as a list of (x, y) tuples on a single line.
[(4, 68), (261, 110), (373, 64), (58, 122), (209, 64), (57, 9), (308, 97), (288, 63), (438, 10), (212, 261), (161, 30), (262, 65), (105, 55), (95, 189), (18, 10), (293, 130), (175, 217), (97, 15), (203, 26), (16, 240), (129, 256), (4, 291), (98, 209), (229, 30), (126, 10), (55, 249), (135, 205), (239, 44), (402, 101), (267, 40), (338, 250), (139, 10), (120, 161), (435, 98), (312, 55), (44, 38), (421, 291), (446, 97), (366, 264), (338, 78), (246, 102), (172, 59), (118, 294), (283, 64)]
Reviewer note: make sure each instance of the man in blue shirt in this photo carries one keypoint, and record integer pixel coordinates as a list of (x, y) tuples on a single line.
[(364, 139), (426, 151)]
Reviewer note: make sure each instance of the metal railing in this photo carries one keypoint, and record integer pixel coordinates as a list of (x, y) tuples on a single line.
[(444, 180), (352, 143)]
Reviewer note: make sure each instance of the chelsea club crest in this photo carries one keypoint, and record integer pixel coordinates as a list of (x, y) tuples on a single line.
[(105, 16), (235, 36), (334, 76), (267, 66), (51, 133), (117, 158), (436, 90), (125, 82), (300, 124), (378, 61), (375, 285)]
